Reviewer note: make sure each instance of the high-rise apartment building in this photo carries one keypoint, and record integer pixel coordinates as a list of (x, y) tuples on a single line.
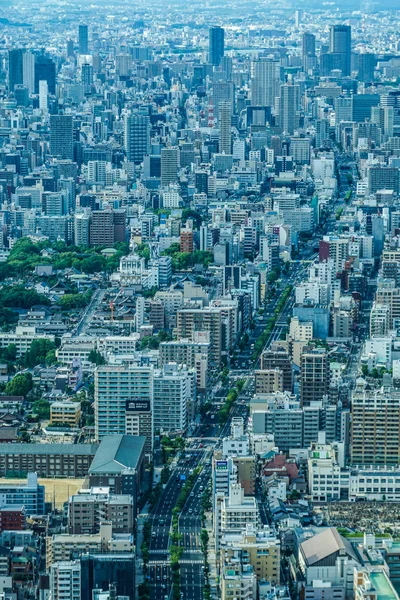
[(61, 136), (264, 82), (375, 426), (28, 71), (216, 45), (137, 137), (225, 134), (115, 386), (65, 580), (277, 357), (314, 375), (174, 387), (289, 104)]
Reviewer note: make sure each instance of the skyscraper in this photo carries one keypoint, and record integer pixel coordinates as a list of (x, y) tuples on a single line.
[(45, 70), (308, 49), (216, 45), (264, 82), (169, 165), (137, 137), (289, 101), (83, 39), (366, 66), (225, 136), (62, 136), (340, 46), (15, 68), (28, 71)]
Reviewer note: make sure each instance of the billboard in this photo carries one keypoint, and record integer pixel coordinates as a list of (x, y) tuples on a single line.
[(137, 405)]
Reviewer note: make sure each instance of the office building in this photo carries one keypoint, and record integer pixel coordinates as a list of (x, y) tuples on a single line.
[(366, 67), (61, 136), (15, 68), (108, 571), (169, 166), (29, 494), (308, 50), (216, 45), (83, 39), (65, 580), (137, 137), (340, 47), (47, 460), (115, 386), (139, 421), (45, 70)]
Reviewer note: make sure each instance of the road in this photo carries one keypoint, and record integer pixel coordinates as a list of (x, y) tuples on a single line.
[(158, 569), (87, 317)]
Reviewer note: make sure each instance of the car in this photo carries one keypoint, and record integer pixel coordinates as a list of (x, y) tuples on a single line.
[(158, 578), (190, 511), (192, 494), (165, 577)]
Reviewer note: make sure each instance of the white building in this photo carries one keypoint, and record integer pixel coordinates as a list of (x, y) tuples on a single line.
[(65, 580)]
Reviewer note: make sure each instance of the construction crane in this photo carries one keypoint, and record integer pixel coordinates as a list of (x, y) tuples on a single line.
[(112, 303)]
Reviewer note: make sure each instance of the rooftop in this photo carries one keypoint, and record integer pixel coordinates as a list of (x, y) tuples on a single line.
[(117, 453)]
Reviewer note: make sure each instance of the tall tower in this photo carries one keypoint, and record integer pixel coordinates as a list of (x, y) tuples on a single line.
[(216, 45), (169, 165), (62, 136), (28, 71), (264, 82), (225, 135), (45, 70), (340, 46), (83, 39), (307, 49), (15, 68), (289, 101), (137, 137)]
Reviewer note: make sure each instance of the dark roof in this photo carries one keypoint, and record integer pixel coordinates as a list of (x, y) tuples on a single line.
[(76, 449), (117, 453)]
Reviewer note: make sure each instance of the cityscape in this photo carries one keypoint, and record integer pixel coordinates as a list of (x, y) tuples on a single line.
[(200, 300)]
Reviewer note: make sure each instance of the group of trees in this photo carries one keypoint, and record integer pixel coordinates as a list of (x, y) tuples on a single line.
[(26, 255), (20, 385), (41, 352), (153, 341), (75, 301), (181, 261)]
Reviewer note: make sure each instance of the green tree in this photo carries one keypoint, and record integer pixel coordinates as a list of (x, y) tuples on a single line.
[(39, 353), (41, 408), (96, 358), (20, 385)]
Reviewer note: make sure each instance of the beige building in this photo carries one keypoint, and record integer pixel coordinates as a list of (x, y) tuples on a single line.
[(238, 584), (258, 548), (86, 512), (375, 426), (268, 381), (65, 413), (59, 547)]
